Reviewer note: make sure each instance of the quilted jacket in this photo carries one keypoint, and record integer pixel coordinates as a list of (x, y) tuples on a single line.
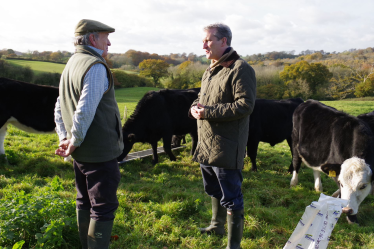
[(228, 93)]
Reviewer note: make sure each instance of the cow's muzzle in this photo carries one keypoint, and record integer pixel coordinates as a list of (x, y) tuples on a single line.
[(347, 210)]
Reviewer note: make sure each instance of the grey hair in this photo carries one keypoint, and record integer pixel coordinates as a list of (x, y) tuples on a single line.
[(85, 39), (222, 30)]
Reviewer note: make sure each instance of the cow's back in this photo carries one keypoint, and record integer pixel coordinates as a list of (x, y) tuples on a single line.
[(323, 134), (30, 104), (164, 110), (178, 103), (271, 120)]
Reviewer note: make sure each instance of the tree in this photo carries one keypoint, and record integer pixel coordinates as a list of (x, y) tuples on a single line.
[(342, 85), (56, 56), (366, 86), (156, 69), (109, 62), (313, 74), (10, 51)]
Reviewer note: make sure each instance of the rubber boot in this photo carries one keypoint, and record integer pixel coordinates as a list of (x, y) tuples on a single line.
[(217, 224), (235, 225), (99, 234), (83, 221)]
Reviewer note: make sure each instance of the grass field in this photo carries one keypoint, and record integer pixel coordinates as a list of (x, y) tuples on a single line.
[(162, 206), (47, 67), (40, 66), (130, 72)]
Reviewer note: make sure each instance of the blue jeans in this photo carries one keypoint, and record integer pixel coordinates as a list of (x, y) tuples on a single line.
[(224, 185)]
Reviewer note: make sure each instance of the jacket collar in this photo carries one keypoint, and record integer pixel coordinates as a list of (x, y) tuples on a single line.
[(230, 60), (89, 50)]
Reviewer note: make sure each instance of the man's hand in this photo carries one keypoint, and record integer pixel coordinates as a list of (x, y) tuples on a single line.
[(197, 111), (65, 148)]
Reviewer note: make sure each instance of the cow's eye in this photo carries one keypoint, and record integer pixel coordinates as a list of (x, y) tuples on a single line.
[(341, 185), (363, 186)]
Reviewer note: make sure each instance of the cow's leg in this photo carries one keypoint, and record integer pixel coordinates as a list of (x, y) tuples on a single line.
[(167, 146), (194, 139), (175, 141), (5, 116), (317, 181), (337, 192), (296, 163), (3, 130), (295, 178), (252, 153), (289, 141), (155, 155)]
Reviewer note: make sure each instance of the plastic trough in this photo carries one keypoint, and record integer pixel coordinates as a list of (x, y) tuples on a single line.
[(145, 153)]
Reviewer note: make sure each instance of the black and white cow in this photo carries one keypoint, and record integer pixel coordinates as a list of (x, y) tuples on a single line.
[(337, 144), (27, 106), (160, 114), (270, 122)]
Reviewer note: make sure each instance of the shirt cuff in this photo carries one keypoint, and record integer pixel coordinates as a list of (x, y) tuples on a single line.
[(74, 142)]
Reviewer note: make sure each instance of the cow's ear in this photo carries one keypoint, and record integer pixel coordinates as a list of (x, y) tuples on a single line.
[(332, 170), (131, 137)]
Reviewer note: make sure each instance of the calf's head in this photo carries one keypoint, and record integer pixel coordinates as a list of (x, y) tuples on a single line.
[(355, 184), (128, 142)]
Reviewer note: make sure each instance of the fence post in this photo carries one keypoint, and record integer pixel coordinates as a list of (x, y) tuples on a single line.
[(125, 114)]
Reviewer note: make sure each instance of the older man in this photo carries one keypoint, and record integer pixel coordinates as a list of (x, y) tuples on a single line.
[(222, 109), (89, 128)]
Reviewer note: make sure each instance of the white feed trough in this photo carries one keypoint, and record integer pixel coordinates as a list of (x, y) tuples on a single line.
[(145, 153)]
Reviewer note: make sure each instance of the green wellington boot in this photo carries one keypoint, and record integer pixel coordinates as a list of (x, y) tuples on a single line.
[(217, 225), (235, 225), (99, 234), (83, 221)]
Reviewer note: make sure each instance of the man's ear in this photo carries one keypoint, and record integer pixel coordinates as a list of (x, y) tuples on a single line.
[(224, 41), (92, 40)]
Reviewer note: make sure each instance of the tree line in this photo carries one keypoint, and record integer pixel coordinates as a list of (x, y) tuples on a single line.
[(311, 74), (129, 60), (49, 56), (26, 74), (318, 75)]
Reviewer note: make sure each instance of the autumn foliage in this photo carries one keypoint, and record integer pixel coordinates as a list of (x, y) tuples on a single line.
[(156, 69)]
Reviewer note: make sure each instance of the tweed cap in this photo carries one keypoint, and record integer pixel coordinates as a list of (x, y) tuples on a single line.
[(85, 26)]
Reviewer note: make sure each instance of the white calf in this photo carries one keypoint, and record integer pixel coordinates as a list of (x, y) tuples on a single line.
[(355, 183)]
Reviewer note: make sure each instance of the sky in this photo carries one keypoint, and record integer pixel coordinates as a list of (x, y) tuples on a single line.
[(176, 26)]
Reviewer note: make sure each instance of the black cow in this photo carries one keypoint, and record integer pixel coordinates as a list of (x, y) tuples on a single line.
[(27, 106), (270, 122), (368, 118), (178, 140), (337, 144), (160, 114)]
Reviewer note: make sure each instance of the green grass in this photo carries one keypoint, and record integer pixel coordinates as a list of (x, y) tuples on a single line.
[(129, 97), (352, 107), (130, 72), (40, 66), (162, 206)]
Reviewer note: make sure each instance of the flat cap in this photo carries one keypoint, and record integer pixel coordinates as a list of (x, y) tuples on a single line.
[(85, 26)]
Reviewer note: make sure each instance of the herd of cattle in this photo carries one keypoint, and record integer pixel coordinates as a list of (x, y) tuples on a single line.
[(323, 138)]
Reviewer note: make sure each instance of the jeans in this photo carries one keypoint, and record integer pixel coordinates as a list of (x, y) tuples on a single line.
[(224, 185)]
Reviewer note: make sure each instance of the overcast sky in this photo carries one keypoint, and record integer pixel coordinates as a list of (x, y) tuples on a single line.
[(174, 26)]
